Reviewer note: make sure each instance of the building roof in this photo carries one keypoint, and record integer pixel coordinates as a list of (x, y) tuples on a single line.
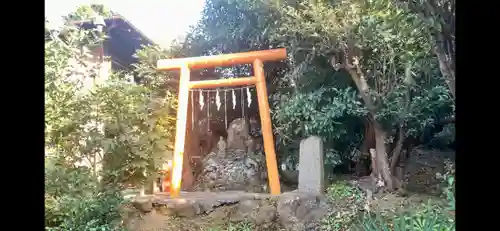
[(112, 22), (124, 39)]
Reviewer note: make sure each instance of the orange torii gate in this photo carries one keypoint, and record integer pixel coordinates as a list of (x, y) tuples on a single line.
[(185, 64)]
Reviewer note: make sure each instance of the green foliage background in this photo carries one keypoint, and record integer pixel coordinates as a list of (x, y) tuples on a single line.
[(307, 96)]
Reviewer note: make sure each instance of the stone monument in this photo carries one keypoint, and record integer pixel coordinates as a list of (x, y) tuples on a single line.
[(221, 146), (237, 133), (311, 169)]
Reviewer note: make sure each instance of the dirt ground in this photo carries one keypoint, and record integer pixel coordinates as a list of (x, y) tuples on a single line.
[(215, 221), (383, 204)]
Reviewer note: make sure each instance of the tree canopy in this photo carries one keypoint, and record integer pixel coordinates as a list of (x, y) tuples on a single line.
[(353, 66)]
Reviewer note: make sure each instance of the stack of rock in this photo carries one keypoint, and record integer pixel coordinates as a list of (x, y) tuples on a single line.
[(234, 165)]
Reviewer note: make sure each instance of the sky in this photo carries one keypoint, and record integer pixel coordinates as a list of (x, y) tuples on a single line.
[(160, 20)]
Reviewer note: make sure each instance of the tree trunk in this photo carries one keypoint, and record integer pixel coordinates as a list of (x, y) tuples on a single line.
[(369, 137), (382, 159), (446, 68), (399, 174), (380, 167), (374, 163), (396, 152), (362, 169), (150, 184)]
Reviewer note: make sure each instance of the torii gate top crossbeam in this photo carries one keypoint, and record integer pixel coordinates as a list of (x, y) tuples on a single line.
[(222, 60)]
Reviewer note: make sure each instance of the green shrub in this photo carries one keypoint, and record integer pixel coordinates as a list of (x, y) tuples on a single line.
[(75, 200), (92, 212), (425, 218), (347, 201), (343, 190), (449, 184), (430, 218)]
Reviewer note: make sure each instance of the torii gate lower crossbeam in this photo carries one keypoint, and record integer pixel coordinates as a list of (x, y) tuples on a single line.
[(185, 64)]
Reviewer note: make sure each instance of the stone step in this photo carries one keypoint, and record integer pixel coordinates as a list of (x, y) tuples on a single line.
[(293, 210)]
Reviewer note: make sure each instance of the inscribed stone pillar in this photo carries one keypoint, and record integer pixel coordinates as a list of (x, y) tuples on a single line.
[(237, 134), (311, 169)]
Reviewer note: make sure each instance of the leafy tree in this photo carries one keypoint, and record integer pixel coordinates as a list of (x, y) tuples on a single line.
[(70, 189), (373, 46), (438, 18), (387, 58), (86, 12), (129, 111), (124, 127), (146, 73)]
